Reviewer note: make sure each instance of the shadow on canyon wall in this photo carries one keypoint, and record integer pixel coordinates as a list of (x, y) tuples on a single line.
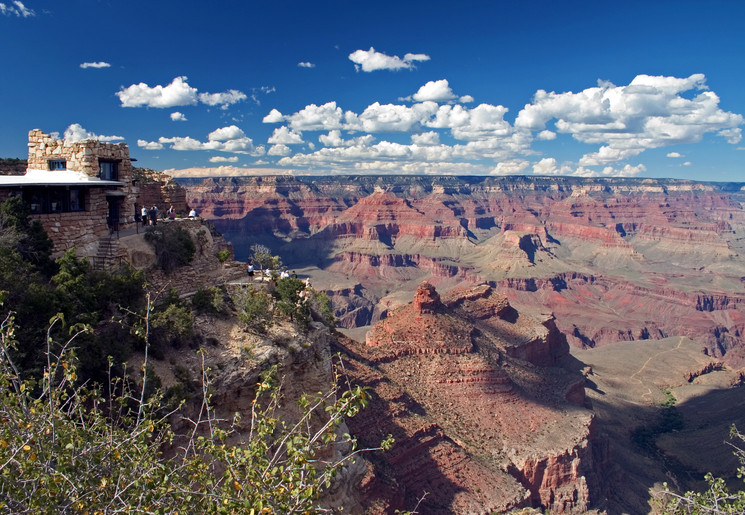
[(650, 444)]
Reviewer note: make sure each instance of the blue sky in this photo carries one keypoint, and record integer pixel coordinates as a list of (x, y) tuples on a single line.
[(646, 89)]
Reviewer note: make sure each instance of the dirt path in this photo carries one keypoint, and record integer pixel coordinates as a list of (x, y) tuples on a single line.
[(647, 396)]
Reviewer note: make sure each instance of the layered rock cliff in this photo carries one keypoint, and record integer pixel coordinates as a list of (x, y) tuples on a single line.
[(484, 419), (614, 259)]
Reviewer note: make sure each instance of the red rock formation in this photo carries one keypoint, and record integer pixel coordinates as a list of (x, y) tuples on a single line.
[(664, 256), (457, 359), (426, 299)]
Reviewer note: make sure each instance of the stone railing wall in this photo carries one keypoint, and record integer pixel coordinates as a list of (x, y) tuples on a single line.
[(164, 195)]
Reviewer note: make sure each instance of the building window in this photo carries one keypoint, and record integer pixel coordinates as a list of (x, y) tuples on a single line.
[(58, 164), (34, 199), (56, 196), (54, 200), (107, 170), (77, 197)]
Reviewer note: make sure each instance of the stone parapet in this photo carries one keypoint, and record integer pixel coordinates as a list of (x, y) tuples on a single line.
[(159, 189)]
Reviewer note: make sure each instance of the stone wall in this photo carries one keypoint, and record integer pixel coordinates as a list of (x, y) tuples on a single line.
[(159, 189), (79, 229), (81, 156)]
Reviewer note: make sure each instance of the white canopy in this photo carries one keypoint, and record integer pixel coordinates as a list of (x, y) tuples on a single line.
[(55, 178)]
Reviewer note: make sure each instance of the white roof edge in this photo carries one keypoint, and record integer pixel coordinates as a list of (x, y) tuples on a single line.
[(54, 178)]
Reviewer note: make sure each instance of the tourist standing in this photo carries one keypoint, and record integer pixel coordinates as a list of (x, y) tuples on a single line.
[(143, 215)]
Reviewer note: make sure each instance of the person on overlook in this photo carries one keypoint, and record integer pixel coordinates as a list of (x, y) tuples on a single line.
[(193, 213), (251, 269), (153, 216), (143, 216), (171, 213)]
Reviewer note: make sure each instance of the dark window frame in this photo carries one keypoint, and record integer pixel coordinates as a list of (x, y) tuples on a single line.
[(55, 199), (58, 164), (112, 174)]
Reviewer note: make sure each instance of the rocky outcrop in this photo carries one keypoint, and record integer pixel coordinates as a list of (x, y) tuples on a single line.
[(205, 269), (474, 367)]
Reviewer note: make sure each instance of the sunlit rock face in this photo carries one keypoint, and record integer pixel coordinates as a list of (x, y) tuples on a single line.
[(484, 419)]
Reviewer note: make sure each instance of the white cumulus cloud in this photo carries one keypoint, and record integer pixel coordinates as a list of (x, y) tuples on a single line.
[(231, 132), (426, 139), (16, 9), (545, 135), (223, 159), (99, 64), (225, 139), (512, 167), (625, 171), (76, 132), (617, 123), (436, 91), (285, 136), (674, 154), (313, 118), (149, 145), (177, 93), (274, 116), (392, 117), (178, 117), (306, 64), (546, 166), (650, 112), (223, 99), (334, 139), (372, 60), (279, 150)]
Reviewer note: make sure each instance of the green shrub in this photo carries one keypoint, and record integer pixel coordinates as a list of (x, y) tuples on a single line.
[(69, 449), (172, 244), (323, 306), (25, 235), (717, 498), (171, 327), (223, 255), (254, 306), (212, 300), (291, 300), (264, 259)]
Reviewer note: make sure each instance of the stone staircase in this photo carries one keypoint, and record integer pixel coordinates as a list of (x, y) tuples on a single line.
[(106, 256)]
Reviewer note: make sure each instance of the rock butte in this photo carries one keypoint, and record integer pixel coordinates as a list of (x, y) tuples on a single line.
[(461, 382)]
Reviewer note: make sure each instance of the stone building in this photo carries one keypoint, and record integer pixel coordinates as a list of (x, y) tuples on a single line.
[(80, 191)]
